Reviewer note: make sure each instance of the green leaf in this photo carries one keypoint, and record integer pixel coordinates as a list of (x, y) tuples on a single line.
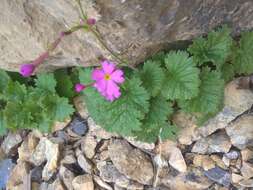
[(124, 114), (243, 55), (210, 96), (63, 109), (159, 110), (169, 132), (85, 75), (228, 72), (182, 78), (64, 87), (4, 80), (15, 92), (152, 77), (46, 82), (215, 48), (3, 129)]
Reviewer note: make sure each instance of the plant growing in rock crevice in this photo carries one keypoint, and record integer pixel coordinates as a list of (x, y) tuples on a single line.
[(133, 101)]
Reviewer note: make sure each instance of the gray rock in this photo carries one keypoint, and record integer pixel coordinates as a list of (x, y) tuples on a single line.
[(131, 162), (219, 175), (83, 182), (109, 173), (232, 155), (241, 131), (79, 126), (217, 142), (137, 28), (67, 177), (88, 146), (236, 101), (11, 143), (246, 183), (84, 163), (6, 167), (101, 183)]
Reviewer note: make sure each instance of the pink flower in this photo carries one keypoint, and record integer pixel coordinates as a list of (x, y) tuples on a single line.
[(107, 79), (91, 21), (26, 70), (79, 87)]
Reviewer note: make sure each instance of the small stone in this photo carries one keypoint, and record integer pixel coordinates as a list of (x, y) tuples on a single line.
[(11, 143), (6, 167), (46, 151), (236, 178), (218, 161), (203, 161), (60, 125), (18, 175), (198, 160), (219, 176), (131, 162), (241, 131), (85, 164), (67, 177), (140, 145), (247, 154), (232, 155), (88, 146), (226, 161), (78, 126), (246, 183), (247, 170), (81, 107), (27, 148), (104, 155), (177, 160), (166, 148), (36, 174), (56, 185), (97, 131), (217, 142), (101, 183), (83, 182)]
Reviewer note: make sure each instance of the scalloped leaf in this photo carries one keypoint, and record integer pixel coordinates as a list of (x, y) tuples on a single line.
[(182, 77)]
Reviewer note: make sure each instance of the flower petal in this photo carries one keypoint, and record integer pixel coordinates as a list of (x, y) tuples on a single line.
[(97, 74), (118, 76), (100, 85), (108, 67)]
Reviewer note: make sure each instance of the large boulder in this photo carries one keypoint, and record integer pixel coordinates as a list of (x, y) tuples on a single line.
[(137, 28)]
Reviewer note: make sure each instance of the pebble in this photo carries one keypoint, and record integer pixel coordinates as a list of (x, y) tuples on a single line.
[(219, 175), (6, 167)]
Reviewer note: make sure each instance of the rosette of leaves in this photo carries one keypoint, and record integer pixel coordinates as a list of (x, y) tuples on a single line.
[(30, 107)]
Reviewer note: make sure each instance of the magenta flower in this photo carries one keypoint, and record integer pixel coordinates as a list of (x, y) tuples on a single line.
[(107, 79), (79, 87), (91, 21), (26, 70)]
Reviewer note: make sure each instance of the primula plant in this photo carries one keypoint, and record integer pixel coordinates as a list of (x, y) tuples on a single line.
[(137, 102)]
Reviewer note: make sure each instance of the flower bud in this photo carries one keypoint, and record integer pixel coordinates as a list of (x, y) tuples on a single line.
[(79, 87), (26, 70), (91, 21)]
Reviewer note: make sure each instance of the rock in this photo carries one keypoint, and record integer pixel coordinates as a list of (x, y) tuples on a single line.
[(11, 143), (88, 146), (6, 167), (83, 182), (166, 148), (85, 164), (247, 154), (56, 185), (97, 131), (218, 161), (124, 26), (217, 142), (236, 178), (232, 155), (193, 179), (219, 176), (101, 183), (109, 173), (18, 175), (131, 162), (177, 160), (247, 170), (140, 145), (46, 151), (27, 148), (236, 101), (81, 107), (246, 183), (226, 161), (60, 125), (241, 131), (187, 123), (36, 174), (203, 161), (67, 177), (78, 126)]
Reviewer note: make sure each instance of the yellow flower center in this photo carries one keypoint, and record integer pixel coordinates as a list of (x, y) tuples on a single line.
[(107, 77)]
